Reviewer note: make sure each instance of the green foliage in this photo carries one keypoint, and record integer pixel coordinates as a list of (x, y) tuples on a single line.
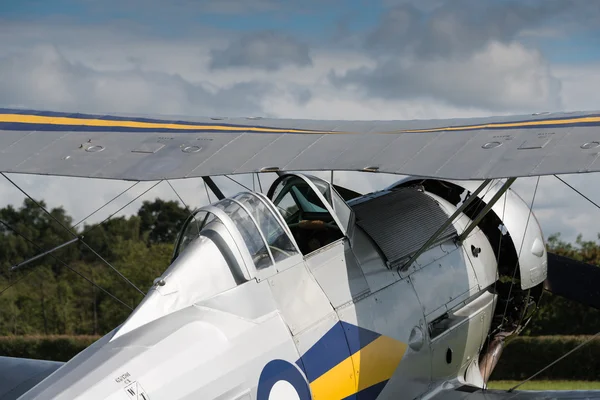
[(162, 220), (558, 316), (54, 348), (524, 356), (46, 297)]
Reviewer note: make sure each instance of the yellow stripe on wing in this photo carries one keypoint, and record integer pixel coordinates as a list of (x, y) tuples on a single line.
[(373, 364), (541, 123), (40, 119)]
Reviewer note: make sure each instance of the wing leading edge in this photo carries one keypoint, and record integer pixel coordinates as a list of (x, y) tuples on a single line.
[(145, 148)]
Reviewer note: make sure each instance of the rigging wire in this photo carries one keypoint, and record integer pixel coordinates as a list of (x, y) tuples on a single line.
[(121, 209), (74, 234), (231, 179), (512, 283), (180, 199), (259, 184), (106, 204), (66, 265), (578, 192), (591, 338), (189, 211), (207, 194), (13, 283)]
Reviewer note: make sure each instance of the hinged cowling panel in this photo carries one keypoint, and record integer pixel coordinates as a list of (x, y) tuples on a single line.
[(400, 221)]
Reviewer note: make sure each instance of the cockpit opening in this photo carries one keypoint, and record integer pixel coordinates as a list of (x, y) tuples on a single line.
[(254, 232), (310, 221)]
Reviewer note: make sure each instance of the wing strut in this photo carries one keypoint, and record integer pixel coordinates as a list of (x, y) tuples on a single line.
[(213, 186), (446, 224), (486, 209), (45, 253)]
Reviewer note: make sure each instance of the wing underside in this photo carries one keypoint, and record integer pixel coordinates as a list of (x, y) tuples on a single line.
[(142, 148), (18, 375)]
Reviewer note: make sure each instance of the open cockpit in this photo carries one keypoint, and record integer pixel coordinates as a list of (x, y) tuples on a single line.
[(299, 215), (306, 204)]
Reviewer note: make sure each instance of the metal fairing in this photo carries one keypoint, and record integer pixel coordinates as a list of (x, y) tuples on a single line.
[(338, 264), (464, 335), (393, 312), (196, 352), (430, 283), (525, 231), (299, 299), (374, 269)]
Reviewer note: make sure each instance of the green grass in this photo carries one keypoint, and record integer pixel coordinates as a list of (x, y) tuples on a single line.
[(547, 385)]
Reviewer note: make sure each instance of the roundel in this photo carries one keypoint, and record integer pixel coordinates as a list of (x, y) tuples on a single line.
[(281, 380)]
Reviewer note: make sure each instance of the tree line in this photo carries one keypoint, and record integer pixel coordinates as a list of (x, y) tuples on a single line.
[(54, 294)]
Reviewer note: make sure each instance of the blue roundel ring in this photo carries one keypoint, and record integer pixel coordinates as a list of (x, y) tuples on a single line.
[(280, 370)]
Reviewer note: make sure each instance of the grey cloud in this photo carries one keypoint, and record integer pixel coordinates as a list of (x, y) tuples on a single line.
[(42, 77), (301, 95), (465, 26), (466, 53), (520, 82), (264, 50)]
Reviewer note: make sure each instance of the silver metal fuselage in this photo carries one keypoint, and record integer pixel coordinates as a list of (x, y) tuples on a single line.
[(339, 321)]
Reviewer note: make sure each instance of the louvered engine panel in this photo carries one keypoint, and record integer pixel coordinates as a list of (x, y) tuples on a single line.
[(400, 221)]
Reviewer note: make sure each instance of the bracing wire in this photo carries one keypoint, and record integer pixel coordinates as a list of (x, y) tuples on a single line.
[(13, 283), (512, 283), (244, 186), (121, 209), (207, 194), (259, 184), (187, 209), (66, 265), (591, 338), (577, 191), (105, 204), (74, 234), (179, 197)]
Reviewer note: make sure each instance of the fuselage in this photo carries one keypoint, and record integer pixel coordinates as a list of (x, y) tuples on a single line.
[(302, 294)]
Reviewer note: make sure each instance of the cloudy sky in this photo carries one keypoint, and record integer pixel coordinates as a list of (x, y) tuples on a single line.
[(333, 59)]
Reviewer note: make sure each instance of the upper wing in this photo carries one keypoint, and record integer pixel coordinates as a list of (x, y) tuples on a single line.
[(151, 149), (18, 375)]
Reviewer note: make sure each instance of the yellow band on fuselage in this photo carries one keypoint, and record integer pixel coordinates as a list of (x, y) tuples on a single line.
[(373, 364)]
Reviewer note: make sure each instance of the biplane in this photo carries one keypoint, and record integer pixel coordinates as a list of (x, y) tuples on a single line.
[(311, 290)]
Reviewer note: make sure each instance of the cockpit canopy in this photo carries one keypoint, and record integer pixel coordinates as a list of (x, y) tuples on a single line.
[(246, 216), (254, 231)]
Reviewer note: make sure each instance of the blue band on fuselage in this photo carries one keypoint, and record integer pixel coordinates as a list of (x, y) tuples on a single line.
[(341, 341), (280, 370)]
